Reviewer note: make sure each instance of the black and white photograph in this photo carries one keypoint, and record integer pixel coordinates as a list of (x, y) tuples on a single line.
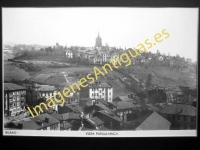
[(100, 71)]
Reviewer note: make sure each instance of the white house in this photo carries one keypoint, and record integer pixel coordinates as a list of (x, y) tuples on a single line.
[(69, 54), (100, 90)]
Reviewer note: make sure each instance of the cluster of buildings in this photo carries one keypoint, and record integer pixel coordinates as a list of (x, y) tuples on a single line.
[(99, 111), (101, 54), (164, 108)]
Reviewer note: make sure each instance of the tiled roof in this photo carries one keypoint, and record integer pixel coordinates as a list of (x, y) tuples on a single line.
[(28, 124), (104, 108), (74, 107), (12, 87), (111, 115), (95, 121), (103, 102), (70, 115), (102, 85), (127, 105), (57, 116), (154, 122), (47, 88), (42, 117), (179, 109), (122, 98), (153, 108)]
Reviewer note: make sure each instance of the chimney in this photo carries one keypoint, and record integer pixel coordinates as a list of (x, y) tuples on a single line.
[(47, 120), (20, 125)]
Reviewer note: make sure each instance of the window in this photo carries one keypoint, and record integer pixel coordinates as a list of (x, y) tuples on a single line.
[(109, 93), (99, 91), (92, 94), (192, 127), (192, 119), (97, 94), (184, 127), (184, 118), (18, 103), (100, 96)]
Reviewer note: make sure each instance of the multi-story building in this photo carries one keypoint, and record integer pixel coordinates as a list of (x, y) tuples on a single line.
[(69, 54), (182, 116), (100, 90), (14, 99), (46, 90), (32, 94)]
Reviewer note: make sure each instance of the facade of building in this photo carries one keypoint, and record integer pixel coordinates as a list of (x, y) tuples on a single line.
[(69, 54), (32, 94), (182, 116), (46, 90), (14, 99), (100, 90)]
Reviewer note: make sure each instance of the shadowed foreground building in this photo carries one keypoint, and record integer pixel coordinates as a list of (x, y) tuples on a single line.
[(148, 121), (14, 99), (182, 116), (41, 122)]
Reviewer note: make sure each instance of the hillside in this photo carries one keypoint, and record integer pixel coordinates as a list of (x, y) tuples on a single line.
[(165, 76), (13, 72)]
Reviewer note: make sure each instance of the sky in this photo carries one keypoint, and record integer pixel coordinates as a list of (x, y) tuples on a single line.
[(119, 27)]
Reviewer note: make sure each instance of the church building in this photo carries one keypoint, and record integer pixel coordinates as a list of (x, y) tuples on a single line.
[(98, 43)]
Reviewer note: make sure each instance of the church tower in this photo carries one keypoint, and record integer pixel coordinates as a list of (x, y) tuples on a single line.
[(98, 41)]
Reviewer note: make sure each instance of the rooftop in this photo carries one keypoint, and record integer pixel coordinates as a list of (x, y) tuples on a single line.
[(111, 115), (179, 109), (42, 117), (123, 98), (153, 108), (127, 105), (70, 115), (154, 122), (95, 121), (46, 87), (28, 124), (100, 84)]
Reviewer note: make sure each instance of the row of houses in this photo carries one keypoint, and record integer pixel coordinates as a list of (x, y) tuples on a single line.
[(126, 112), (94, 56), (178, 94)]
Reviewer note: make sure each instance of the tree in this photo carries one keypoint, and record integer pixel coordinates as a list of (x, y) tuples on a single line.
[(149, 79), (49, 49)]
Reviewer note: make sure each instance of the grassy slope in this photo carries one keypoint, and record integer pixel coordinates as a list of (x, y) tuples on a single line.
[(13, 72), (165, 76)]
